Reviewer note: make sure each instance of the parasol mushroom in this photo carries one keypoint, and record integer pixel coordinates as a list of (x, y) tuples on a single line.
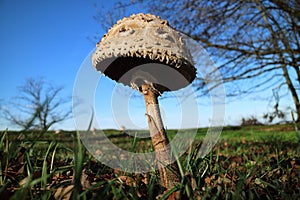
[(144, 52)]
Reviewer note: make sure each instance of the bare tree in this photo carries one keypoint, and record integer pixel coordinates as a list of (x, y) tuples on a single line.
[(37, 106), (254, 43)]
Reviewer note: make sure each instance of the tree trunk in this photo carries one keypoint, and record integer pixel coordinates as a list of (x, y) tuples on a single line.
[(297, 69), (293, 92), (169, 174), (286, 75), (298, 112)]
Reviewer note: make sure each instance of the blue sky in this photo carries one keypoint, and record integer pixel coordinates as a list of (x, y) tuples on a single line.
[(44, 39), (49, 39)]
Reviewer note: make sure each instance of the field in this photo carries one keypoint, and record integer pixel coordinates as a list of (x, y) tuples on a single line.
[(252, 162)]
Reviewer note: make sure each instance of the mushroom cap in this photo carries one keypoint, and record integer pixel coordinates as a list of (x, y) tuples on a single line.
[(144, 49)]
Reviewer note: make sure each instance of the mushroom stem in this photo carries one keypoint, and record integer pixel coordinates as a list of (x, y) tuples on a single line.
[(169, 174)]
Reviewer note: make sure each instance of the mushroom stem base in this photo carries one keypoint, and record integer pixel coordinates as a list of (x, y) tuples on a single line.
[(169, 171)]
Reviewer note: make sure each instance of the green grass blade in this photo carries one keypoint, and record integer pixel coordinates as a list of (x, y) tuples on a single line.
[(79, 154), (45, 166), (168, 193)]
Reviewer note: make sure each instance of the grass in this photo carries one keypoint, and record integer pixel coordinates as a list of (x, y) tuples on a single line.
[(255, 162)]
